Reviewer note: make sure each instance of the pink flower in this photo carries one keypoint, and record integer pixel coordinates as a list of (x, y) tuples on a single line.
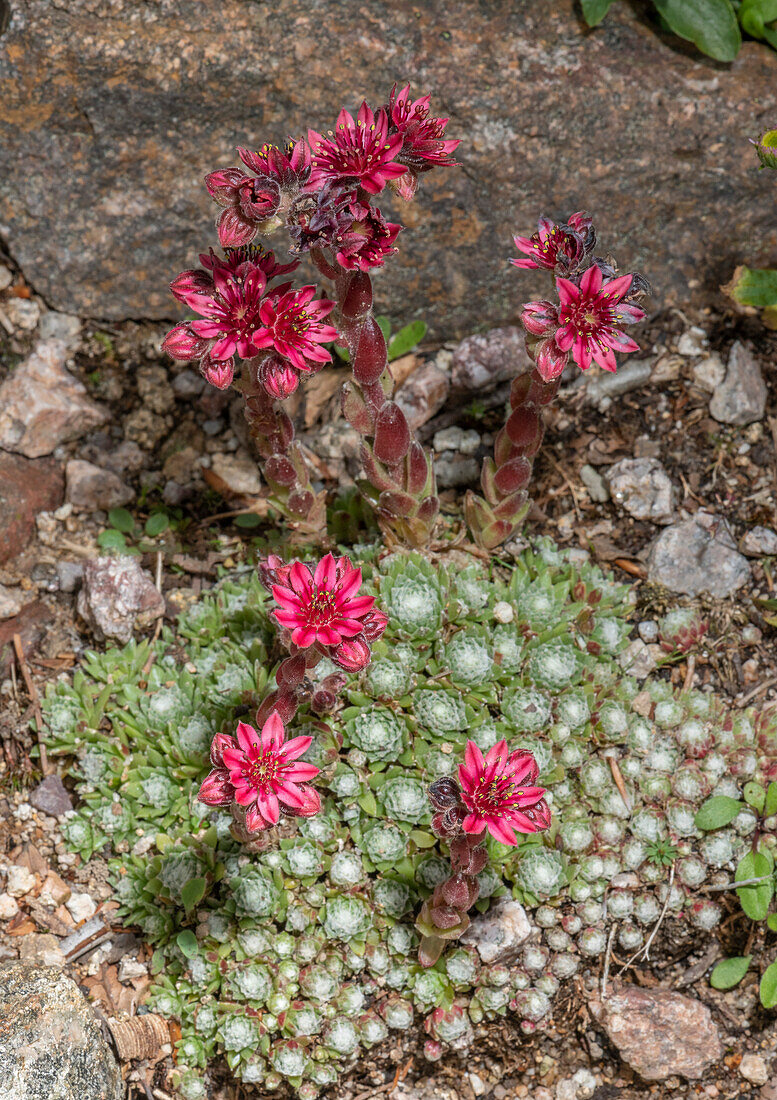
[(230, 310), (264, 772), (424, 145), (248, 202), (494, 793), (289, 167), (321, 605), (590, 316), (556, 247), (360, 149), (367, 241), (292, 325), (254, 255)]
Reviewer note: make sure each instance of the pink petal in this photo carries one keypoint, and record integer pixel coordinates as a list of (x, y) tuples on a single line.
[(567, 292), (235, 759), (473, 823), (244, 796), (247, 737), (268, 804), (273, 732), (303, 636), (301, 773), (326, 573), (501, 831), (296, 747), (299, 579), (255, 822), (473, 758), (290, 794)]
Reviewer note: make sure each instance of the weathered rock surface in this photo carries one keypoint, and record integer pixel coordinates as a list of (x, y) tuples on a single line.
[(741, 398), (106, 138), (643, 487), (117, 597), (698, 555), (51, 797), (51, 1043), (239, 472), (11, 601), (499, 933), (42, 404), (423, 394), (482, 361), (759, 542), (90, 488), (27, 486), (659, 1033)]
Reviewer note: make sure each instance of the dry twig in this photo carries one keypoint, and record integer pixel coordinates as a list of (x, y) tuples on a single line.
[(32, 691)]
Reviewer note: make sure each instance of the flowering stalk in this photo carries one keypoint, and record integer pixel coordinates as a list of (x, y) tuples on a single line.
[(593, 302), (495, 794)]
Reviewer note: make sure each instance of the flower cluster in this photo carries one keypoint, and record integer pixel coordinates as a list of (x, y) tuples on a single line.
[(262, 774), (593, 300), (240, 313), (321, 608)]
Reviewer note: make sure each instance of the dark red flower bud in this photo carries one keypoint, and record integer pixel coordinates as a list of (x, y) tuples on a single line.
[(220, 742), (444, 793), (392, 434), (369, 358), (182, 343), (353, 654), (375, 623), (278, 377), (218, 372), (223, 185)]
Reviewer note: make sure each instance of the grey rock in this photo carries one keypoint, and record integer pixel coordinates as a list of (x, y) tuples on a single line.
[(692, 342), (709, 372), (456, 439), (602, 388), (6, 277), (741, 398), (126, 458), (239, 472), (643, 487), (188, 384), (52, 1045), (659, 1033), (23, 313), (43, 405), (423, 394), (41, 949), (698, 555), (648, 630), (595, 484), (754, 1069), (52, 797), (90, 488), (60, 326), (453, 469), (499, 932), (759, 542), (482, 361), (637, 659), (70, 575), (67, 93), (118, 597)]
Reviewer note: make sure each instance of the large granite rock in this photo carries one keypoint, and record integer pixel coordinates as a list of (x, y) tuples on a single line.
[(27, 486), (51, 1043), (113, 111)]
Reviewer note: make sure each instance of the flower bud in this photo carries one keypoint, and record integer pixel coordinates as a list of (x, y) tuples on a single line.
[(182, 343), (353, 654), (375, 623), (369, 358), (278, 377), (220, 742), (216, 789), (392, 434), (218, 372), (223, 185), (444, 793)]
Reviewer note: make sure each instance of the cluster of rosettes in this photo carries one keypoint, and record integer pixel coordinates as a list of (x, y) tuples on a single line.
[(320, 190), (593, 300), (320, 607)]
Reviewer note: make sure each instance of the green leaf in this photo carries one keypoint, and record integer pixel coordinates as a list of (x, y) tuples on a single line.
[(771, 922), (768, 989), (730, 972), (770, 806), (755, 899), (187, 941), (754, 286), (754, 14), (384, 324), (368, 803), (406, 339), (156, 524), (709, 24), (594, 11), (121, 519), (193, 892), (423, 839), (755, 796), (112, 540), (717, 811), (247, 520)]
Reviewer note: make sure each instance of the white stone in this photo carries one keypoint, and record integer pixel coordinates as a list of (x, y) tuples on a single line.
[(23, 313), (239, 472), (503, 612), (648, 630), (81, 907), (643, 487), (757, 542), (11, 601), (477, 1083), (8, 907), (754, 1069), (498, 933), (692, 342), (130, 968), (637, 659), (709, 372), (741, 398), (20, 881), (456, 439), (595, 484)]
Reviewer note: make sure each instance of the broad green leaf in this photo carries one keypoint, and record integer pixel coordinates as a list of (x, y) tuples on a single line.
[(768, 988), (755, 796), (754, 286), (406, 339), (755, 899), (121, 519), (730, 972), (187, 941), (156, 524), (770, 806), (248, 520), (594, 11), (423, 839), (111, 540), (709, 24), (368, 803), (193, 892), (717, 811), (771, 922), (384, 324)]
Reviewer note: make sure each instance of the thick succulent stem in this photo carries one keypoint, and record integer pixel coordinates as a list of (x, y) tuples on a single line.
[(505, 478), (400, 474), (443, 916), (282, 462)]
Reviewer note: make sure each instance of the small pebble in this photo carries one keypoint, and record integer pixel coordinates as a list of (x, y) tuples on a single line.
[(754, 1069), (648, 630), (503, 612), (8, 907), (81, 907), (20, 881)]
